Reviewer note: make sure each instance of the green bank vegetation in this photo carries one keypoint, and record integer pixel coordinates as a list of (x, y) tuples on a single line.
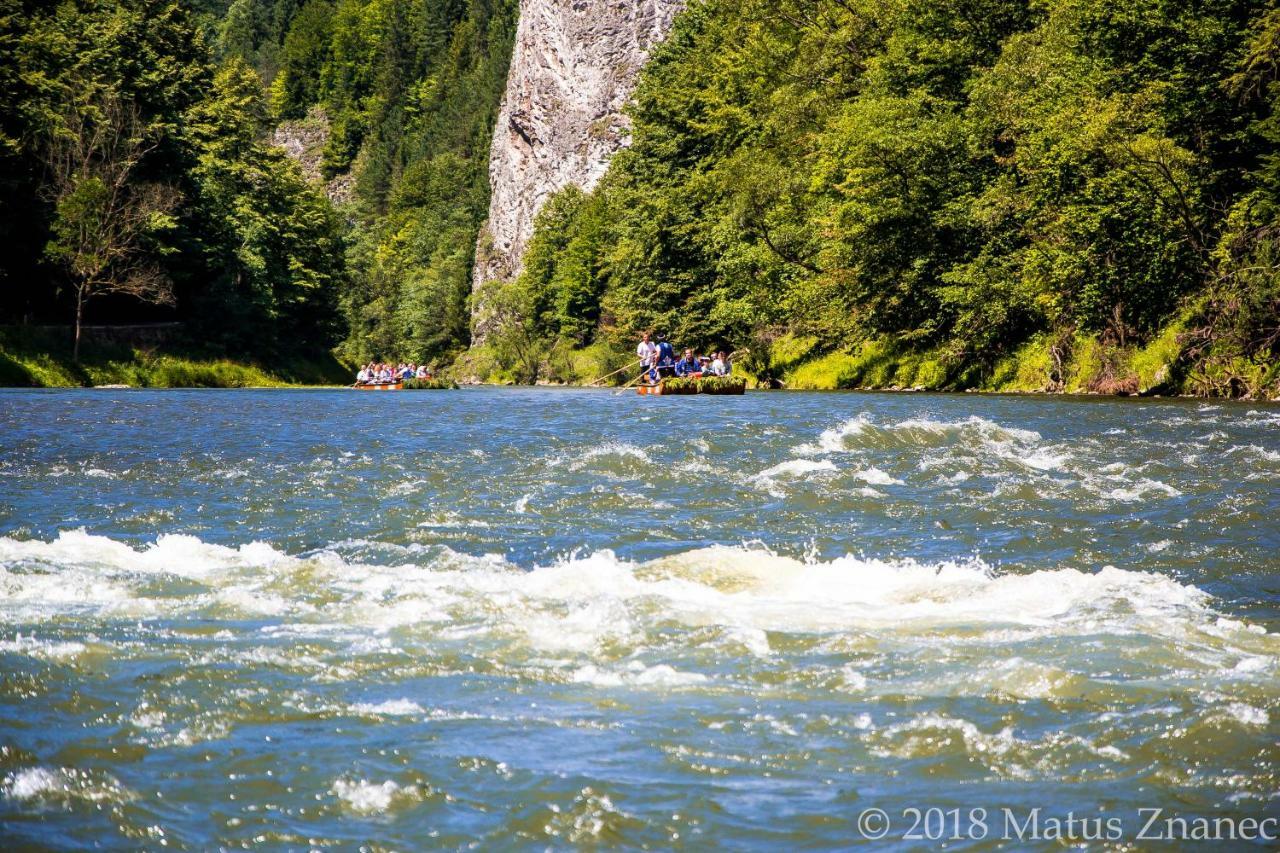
[(37, 358), (1060, 195), (138, 181), (1040, 195)]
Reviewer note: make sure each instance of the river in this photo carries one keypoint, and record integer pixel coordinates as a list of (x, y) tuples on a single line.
[(533, 617)]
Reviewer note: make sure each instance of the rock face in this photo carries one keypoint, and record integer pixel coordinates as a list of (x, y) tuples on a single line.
[(304, 141), (573, 68)]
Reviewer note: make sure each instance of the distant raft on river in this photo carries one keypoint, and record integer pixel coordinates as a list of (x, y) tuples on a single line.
[(429, 384), (727, 385)]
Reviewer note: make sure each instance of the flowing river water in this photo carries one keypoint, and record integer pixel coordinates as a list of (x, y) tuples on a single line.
[(523, 617)]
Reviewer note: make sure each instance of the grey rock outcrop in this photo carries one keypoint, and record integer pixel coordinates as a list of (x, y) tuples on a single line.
[(573, 68), (303, 140)]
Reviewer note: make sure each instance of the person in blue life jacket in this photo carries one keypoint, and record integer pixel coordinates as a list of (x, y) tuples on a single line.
[(666, 360), (689, 366)]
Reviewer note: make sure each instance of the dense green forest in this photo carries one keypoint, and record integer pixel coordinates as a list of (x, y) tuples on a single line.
[(1061, 194), (1057, 195), (138, 182), (135, 174)]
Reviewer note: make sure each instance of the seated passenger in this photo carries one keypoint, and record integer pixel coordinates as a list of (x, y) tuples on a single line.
[(721, 366), (363, 376), (689, 365), (422, 372)]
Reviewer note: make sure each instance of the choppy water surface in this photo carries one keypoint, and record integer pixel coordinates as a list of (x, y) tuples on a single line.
[(309, 619)]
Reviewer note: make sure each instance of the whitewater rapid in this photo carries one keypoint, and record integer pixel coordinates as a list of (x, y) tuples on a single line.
[(552, 624)]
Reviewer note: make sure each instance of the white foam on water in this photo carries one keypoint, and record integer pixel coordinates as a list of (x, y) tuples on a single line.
[(1026, 679), (614, 451), (636, 674), (1270, 417), (62, 784), (753, 640), (876, 477), (1257, 452), (1043, 459), (1140, 489), (973, 425), (175, 554), (928, 735), (833, 440), (408, 487), (389, 708), (147, 717), (449, 519), (46, 649), (203, 730), (31, 782), (1253, 663), (1247, 715), (974, 434), (849, 679), (365, 797), (256, 601), (597, 605), (924, 734), (794, 469)]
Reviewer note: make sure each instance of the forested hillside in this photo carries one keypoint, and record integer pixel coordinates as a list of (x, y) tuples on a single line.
[(1067, 194), (409, 91), (1049, 195), (137, 181), (136, 184)]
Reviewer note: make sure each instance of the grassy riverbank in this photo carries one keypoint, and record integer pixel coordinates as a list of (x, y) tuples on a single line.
[(38, 358), (1173, 363), (1078, 364)]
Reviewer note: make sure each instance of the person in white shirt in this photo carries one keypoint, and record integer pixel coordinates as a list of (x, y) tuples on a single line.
[(646, 351), (363, 376), (720, 367)]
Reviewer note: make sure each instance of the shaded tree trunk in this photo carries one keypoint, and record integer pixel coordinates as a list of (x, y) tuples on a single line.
[(75, 340)]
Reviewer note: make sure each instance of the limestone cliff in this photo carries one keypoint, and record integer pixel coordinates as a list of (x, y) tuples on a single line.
[(573, 69)]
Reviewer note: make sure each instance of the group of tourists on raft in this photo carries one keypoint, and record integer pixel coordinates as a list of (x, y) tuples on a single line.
[(659, 360), (656, 361), (377, 373)]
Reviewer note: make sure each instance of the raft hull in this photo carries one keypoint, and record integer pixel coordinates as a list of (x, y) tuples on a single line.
[(392, 386), (659, 389)]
